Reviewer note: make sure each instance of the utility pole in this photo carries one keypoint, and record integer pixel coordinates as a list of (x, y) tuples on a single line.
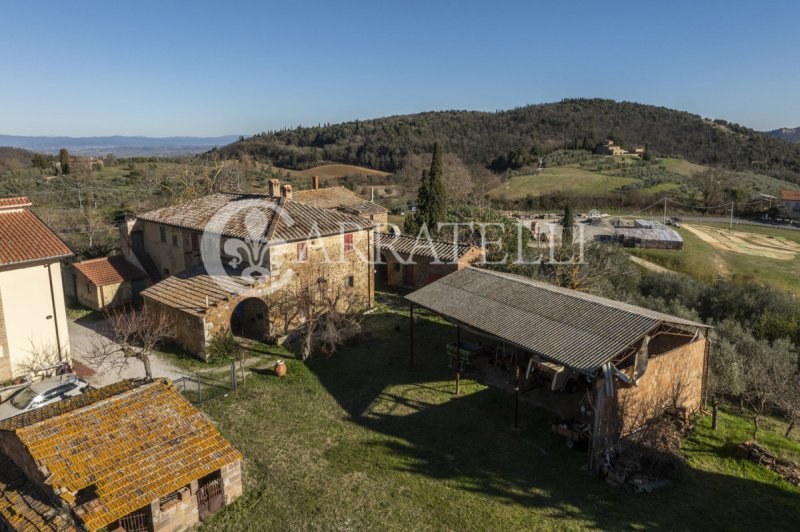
[(730, 225), (665, 210)]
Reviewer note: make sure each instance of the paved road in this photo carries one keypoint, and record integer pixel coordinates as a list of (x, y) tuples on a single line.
[(81, 336)]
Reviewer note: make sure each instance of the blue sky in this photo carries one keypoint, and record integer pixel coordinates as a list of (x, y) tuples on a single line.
[(207, 68)]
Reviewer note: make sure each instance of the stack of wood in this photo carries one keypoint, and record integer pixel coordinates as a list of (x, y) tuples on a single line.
[(750, 450)]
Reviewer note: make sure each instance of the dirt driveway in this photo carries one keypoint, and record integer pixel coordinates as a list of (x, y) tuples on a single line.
[(81, 334)]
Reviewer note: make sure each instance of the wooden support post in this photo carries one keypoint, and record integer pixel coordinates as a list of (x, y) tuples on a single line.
[(458, 360), (516, 398), (411, 333)]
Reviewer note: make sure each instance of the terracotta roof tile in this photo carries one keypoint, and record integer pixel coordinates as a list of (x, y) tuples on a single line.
[(190, 290), (790, 195), (256, 217), (109, 270), (337, 198), (22, 504), (25, 238), (15, 202), (437, 249), (133, 447)]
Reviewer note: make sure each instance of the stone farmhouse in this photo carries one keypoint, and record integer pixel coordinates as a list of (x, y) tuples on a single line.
[(33, 319), (790, 204), (264, 245), (134, 455)]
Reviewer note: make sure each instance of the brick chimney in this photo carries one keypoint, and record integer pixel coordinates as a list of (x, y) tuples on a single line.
[(274, 188), (286, 191), (315, 182)]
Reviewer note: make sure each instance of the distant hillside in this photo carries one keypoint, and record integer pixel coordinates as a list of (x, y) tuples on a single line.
[(118, 145), (332, 171), (792, 134), (14, 159), (480, 137)]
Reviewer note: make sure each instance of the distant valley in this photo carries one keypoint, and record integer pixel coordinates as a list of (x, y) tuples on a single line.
[(120, 146)]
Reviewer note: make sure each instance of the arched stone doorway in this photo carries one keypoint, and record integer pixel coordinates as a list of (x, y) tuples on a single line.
[(250, 319)]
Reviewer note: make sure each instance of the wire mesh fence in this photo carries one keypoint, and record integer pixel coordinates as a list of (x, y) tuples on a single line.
[(198, 388)]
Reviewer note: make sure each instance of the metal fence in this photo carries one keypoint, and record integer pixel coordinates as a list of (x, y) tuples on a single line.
[(198, 388)]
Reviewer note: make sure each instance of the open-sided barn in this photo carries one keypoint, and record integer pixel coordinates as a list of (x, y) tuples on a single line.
[(627, 363)]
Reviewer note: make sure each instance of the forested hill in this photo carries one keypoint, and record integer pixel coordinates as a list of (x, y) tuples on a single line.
[(481, 137), (792, 134)]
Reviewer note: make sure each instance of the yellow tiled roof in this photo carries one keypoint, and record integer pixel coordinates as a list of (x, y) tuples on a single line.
[(22, 505), (134, 447)]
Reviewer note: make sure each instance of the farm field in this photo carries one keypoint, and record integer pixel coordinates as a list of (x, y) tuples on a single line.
[(331, 171), (749, 253), (559, 179), (360, 441)]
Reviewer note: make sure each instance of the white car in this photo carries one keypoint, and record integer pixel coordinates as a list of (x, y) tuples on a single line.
[(42, 393)]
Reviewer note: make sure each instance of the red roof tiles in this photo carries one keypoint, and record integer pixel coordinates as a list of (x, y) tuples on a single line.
[(25, 238), (109, 270), (790, 195), (15, 202)]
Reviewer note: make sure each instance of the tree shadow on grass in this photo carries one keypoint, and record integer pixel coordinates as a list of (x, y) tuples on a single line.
[(467, 442)]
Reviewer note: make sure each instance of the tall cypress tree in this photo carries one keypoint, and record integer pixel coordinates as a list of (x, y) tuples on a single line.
[(63, 158), (437, 195), (412, 223)]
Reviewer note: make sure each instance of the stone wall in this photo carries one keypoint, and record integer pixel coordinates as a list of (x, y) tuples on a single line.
[(422, 270), (177, 514), (232, 481), (672, 379), (351, 270)]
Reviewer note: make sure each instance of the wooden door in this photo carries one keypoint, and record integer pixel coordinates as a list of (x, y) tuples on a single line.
[(209, 498)]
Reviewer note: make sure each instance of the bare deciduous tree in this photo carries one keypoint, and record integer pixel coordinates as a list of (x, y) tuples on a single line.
[(769, 375), (322, 312), (130, 335)]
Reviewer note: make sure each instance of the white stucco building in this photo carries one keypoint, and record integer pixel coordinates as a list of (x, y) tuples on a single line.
[(32, 315)]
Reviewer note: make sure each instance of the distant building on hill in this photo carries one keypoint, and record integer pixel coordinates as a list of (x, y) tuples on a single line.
[(607, 147), (790, 204)]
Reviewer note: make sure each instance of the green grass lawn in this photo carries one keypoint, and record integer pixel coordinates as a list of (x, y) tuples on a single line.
[(559, 179), (360, 441)]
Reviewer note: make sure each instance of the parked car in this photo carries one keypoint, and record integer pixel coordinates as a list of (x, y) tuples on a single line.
[(42, 393)]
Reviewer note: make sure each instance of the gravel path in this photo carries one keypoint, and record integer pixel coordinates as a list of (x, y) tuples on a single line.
[(81, 334)]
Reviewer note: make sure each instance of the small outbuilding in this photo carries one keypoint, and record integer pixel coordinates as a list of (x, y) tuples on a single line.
[(626, 364), (134, 455), (108, 282), (648, 234), (407, 261)]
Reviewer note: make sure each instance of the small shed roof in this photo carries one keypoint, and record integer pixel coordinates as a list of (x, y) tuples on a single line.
[(106, 271), (131, 447), (23, 506), (410, 245), (189, 291), (790, 195), (577, 330)]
